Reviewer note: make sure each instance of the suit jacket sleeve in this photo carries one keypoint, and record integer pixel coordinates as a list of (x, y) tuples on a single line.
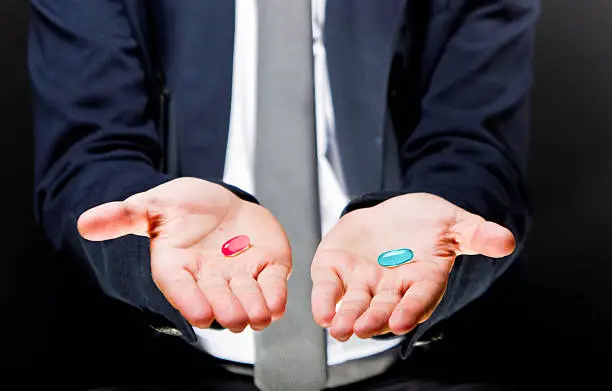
[(471, 144), (95, 140)]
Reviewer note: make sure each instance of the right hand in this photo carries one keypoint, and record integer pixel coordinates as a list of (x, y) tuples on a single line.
[(188, 220)]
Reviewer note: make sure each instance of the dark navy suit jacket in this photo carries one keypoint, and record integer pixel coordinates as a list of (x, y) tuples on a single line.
[(130, 93)]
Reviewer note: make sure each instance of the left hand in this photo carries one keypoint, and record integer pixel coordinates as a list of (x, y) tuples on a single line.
[(376, 300)]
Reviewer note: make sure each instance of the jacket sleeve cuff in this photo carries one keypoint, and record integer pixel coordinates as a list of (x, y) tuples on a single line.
[(372, 199), (243, 195)]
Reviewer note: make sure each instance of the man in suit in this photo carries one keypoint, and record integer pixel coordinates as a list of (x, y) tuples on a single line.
[(423, 109)]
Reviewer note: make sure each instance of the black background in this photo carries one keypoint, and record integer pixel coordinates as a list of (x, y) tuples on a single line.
[(549, 318)]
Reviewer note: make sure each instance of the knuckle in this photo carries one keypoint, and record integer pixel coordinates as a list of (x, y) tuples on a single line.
[(400, 324), (359, 292), (274, 288), (419, 295), (241, 283), (325, 288), (380, 314), (215, 283), (320, 264), (279, 299), (350, 306), (384, 304), (389, 285)]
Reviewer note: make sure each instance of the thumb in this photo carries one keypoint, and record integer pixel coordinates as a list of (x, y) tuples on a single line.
[(115, 219), (475, 235)]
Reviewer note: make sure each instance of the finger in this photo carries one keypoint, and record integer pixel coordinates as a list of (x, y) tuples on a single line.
[(182, 292), (227, 309), (115, 219), (327, 289), (353, 304), (478, 236), (415, 307), (247, 292), (376, 318), (273, 284)]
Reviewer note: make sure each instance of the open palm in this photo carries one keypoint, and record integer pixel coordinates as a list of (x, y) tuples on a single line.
[(375, 299), (188, 220)]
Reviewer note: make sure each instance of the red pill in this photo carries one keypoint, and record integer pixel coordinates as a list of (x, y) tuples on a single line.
[(236, 245)]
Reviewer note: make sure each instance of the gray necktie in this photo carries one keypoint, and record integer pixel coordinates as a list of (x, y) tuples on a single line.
[(291, 353)]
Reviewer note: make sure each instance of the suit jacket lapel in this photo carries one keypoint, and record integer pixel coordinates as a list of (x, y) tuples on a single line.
[(360, 40)]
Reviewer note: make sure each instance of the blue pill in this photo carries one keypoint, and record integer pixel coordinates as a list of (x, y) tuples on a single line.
[(395, 257)]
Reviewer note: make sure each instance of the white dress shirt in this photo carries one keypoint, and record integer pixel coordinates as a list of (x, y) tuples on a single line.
[(239, 171)]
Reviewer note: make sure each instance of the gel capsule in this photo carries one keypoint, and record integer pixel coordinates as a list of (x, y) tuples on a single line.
[(395, 258), (236, 245)]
